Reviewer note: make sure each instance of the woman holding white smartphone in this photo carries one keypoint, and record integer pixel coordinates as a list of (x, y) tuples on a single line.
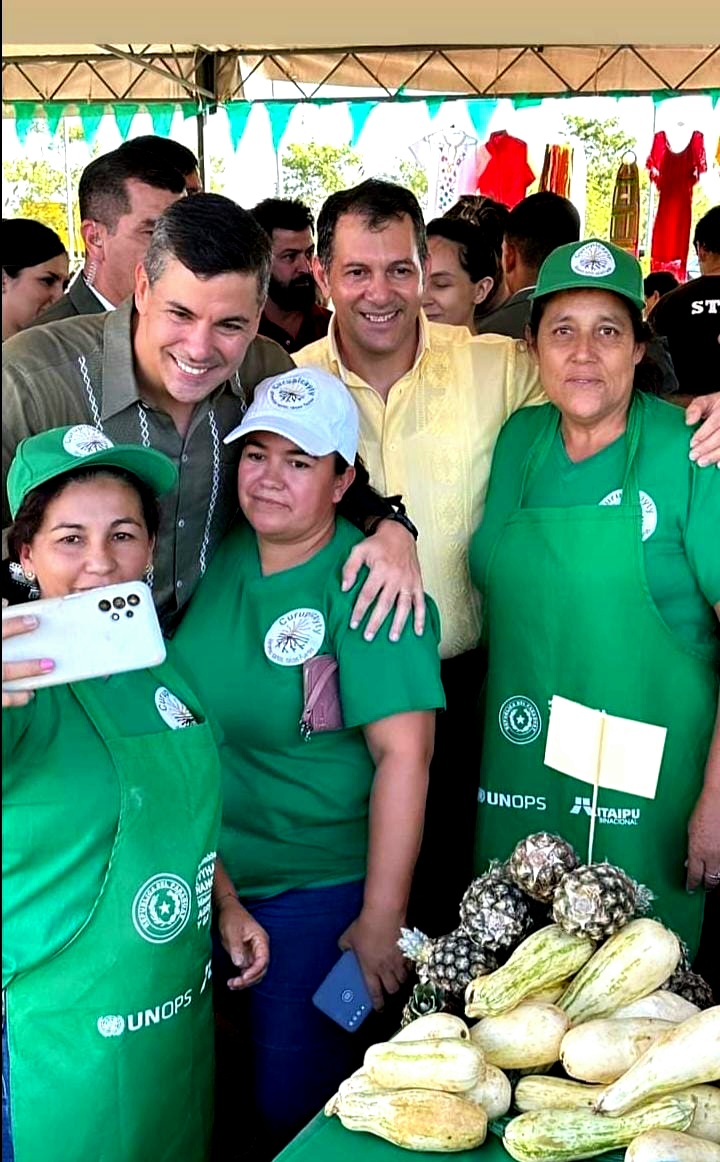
[(111, 812)]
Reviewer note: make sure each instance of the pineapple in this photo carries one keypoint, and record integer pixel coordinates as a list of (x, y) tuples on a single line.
[(450, 962), (692, 987), (597, 900), (539, 862), (494, 912), (425, 999)]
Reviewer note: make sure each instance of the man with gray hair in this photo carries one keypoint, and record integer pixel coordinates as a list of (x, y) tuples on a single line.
[(170, 369)]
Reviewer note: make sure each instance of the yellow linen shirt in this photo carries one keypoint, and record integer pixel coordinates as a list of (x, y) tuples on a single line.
[(433, 441)]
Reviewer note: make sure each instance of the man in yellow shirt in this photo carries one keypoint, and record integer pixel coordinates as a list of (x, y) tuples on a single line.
[(432, 399)]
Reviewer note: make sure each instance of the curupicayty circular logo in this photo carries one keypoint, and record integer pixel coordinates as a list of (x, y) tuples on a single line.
[(520, 720), (84, 440), (593, 261), (293, 392), (295, 637), (161, 908)]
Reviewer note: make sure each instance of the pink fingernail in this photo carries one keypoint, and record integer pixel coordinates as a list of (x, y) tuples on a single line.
[(47, 664), (30, 622)]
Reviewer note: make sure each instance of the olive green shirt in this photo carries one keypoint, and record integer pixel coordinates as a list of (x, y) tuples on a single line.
[(80, 371)]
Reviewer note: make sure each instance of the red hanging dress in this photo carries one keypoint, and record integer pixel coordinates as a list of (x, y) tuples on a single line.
[(674, 174), (507, 175)]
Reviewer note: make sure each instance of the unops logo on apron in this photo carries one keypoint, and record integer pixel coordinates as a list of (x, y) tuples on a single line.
[(520, 720), (647, 504), (295, 637), (112, 1026), (161, 908), (83, 440), (172, 711)]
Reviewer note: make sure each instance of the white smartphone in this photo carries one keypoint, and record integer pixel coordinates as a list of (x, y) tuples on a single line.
[(87, 635)]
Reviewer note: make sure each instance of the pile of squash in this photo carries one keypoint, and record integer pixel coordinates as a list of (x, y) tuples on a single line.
[(637, 1059)]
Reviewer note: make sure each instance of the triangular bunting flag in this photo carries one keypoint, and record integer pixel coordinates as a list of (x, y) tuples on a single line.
[(237, 114), (480, 113), (24, 117), (124, 116), (54, 111), (359, 112), (90, 117), (279, 113), (161, 116)]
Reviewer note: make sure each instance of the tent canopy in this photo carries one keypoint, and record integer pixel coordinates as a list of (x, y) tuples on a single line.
[(162, 72)]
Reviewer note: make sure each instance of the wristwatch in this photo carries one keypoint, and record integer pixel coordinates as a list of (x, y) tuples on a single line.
[(397, 514)]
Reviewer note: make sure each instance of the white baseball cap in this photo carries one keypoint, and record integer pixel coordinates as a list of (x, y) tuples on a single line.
[(308, 406)]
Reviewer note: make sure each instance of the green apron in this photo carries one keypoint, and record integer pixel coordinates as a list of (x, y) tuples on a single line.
[(568, 612), (111, 1040)]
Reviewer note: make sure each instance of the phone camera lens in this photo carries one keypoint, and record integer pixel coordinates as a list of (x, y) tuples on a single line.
[(133, 599), (119, 602), (129, 613), (104, 605), (114, 616)]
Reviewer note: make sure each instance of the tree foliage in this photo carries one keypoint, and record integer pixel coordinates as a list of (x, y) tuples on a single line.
[(313, 172), (605, 143), (36, 188)]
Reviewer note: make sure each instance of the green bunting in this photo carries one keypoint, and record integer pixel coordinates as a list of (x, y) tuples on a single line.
[(359, 112), (161, 115), (24, 117), (125, 112), (90, 116), (279, 113), (480, 113), (237, 114)]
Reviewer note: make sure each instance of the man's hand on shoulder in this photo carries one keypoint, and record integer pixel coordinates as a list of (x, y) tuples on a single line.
[(705, 444), (394, 580)]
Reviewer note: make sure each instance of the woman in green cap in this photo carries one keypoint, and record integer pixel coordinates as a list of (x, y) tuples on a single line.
[(111, 818), (599, 568)]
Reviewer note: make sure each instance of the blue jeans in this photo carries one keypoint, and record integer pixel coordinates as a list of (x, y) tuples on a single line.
[(8, 1154), (299, 1055)]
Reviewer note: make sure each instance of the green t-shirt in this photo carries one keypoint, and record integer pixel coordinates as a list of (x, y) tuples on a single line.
[(61, 803), (680, 505), (295, 812)]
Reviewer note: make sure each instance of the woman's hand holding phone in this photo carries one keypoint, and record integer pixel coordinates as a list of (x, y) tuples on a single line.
[(12, 627)]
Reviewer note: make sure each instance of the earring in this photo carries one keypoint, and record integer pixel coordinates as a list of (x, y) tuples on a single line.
[(20, 577), (149, 576)]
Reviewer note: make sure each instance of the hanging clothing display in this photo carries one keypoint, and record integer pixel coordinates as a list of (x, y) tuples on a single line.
[(625, 214), (507, 175), (674, 174), (557, 170), (450, 159)]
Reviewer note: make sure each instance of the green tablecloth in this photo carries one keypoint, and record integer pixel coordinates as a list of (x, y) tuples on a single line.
[(326, 1140)]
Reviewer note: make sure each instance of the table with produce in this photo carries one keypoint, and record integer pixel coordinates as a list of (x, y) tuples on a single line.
[(561, 1021)]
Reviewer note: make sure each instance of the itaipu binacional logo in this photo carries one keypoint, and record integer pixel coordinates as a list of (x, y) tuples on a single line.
[(161, 908), (593, 260), (84, 440), (294, 392), (295, 637), (520, 720)]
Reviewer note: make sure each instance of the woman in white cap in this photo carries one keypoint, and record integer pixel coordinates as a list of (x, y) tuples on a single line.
[(599, 567), (111, 813), (326, 739)]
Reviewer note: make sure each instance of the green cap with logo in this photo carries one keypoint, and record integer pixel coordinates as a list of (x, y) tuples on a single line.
[(43, 457), (591, 264)]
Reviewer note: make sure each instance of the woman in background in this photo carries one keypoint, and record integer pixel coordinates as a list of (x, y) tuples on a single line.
[(34, 272)]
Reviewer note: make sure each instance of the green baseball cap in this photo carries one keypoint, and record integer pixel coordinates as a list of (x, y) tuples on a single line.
[(43, 457), (591, 264)]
